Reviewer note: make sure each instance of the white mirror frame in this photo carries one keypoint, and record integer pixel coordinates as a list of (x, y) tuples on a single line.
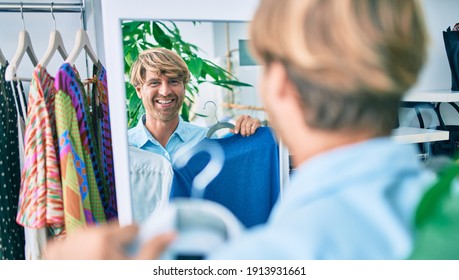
[(113, 13)]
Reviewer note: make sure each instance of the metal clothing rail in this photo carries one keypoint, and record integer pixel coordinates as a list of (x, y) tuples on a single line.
[(28, 7)]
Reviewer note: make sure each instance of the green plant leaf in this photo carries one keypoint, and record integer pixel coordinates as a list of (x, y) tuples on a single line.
[(135, 110), (438, 237), (130, 92), (195, 66), (221, 71), (181, 46), (220, 85), (134, 54), (231, 83), (161, 37), (134, 115), (185, 112), (149, 45), (171, 31), (134, 27), (189, 98), (209, 70), (134, 100), (435, 194), (201, 115)]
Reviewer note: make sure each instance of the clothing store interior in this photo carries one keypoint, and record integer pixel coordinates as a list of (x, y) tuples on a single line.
[(76, 151)]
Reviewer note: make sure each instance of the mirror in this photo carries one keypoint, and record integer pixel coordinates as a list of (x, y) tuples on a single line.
[(114, 13), (222, 87)]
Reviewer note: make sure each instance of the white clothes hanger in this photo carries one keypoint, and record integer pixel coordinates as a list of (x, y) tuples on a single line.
[(218, 125), (82, 42), (2, 59), (212, 169), (55, 43), (24, 46)]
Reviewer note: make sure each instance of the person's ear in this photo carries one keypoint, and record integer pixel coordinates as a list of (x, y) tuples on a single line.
[(280, 81), (138, 91)]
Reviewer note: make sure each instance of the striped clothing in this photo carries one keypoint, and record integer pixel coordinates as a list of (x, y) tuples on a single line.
[(100, 91), (40, 198)]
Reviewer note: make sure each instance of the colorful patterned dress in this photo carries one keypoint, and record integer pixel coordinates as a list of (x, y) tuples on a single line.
[(40, 199), (75, 185), (75, 119)]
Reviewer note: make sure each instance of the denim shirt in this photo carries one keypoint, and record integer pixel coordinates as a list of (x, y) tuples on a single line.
[(184, 137), (354, 202)]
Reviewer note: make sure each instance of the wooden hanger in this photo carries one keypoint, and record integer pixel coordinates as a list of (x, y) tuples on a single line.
[(218, 125), (82, 42), (55, 43), (2, 59), (24, 46)]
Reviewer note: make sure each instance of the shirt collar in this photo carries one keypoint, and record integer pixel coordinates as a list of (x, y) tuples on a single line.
[(143, 135), (181, 131)]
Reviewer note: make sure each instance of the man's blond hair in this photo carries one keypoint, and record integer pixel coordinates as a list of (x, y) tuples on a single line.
[(160, 61), (351, 60)]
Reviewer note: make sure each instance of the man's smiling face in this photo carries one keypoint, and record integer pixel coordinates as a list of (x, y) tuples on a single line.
[(162, 96)]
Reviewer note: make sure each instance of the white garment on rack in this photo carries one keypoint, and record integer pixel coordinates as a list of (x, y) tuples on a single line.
[(151, 179)]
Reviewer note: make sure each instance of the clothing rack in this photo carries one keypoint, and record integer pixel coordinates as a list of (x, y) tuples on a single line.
[(45, 7), (42, 7)]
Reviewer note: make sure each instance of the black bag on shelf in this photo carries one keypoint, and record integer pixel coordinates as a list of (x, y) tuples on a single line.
[(451, 146), (437, 148), (451, 38)]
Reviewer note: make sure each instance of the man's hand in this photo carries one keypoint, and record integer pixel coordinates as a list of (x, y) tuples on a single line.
[(105, 242), (246, 125)]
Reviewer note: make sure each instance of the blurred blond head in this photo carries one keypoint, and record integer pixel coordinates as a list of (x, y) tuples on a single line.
[(350, 60), (161, 62)]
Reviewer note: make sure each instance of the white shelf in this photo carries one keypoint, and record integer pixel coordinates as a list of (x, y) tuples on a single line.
[(432, 96), (406, 135)]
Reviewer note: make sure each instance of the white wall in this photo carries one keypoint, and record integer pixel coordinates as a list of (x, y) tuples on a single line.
[(248, 74)]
